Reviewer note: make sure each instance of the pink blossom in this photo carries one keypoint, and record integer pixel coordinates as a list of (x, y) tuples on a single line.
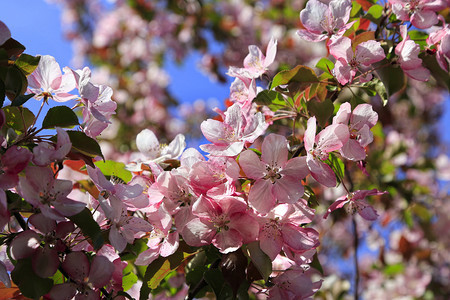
[(124, 228), (48, 81), (421, 13), (86, 278), (361, 120), (151, 151), (408, 51), (243, 91), (225, 222), (348, 63), (98, 105), (13, 161), (294, 284), (357, 204), (5, 34), (321, 21), (441, 39), (256, 63), (230, 136), (281, 228), (277, 179), (46, 153), (161, 241), (4, 212), (214, 177), (319, 146), (40, 188)]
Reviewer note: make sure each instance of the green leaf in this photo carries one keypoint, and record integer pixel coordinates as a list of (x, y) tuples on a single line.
[(337, 165), (316, 263), (84, 144), (13, 47), (60, 116), (394, 269), (15, 83), (419, 37), (58, 277), (392, 77), (31, 285), (260, 259), (21, 99), (128, 277), (27, 63), (322, 110), (89, 227), (376, 86), (112, 168), (356, 8), (18, 118), (299, 74), (215, 279), (325, 65), (375, 13), (159, 269), (442, 77)]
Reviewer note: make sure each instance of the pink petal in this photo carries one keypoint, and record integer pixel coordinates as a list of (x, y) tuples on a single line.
[(321, 172), (147, 143), (353, 150), (170, 244), (5, 34), (25, 244), (298, 238), (227, 240), (117, 239), (288, 189), (368, 213), (296, 168), (247, 226), (310, 134), (335, 205), (101, 271), (251, 165), (332, 137), (270, 241), (343, 114), (363, 114), (341, 48), (76, 264), (424, 19), (274, 150), (45, 262), (369, 52), (260, 196)]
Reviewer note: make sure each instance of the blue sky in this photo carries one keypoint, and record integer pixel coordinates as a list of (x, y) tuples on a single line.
[(37, 24)]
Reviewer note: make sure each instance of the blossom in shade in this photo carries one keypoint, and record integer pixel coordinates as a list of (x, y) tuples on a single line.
[(349, 62), (46, 153), (13, 161), (359, 123), (5, 33), (277, 179), (322, 21), (40, 188), (48, 81), (294, 284), (408, 52), (318, 147), (281, 228), (356, 203)]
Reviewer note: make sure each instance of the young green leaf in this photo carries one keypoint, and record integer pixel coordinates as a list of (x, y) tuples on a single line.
[(112, 168), (27, 63), (300, 74)]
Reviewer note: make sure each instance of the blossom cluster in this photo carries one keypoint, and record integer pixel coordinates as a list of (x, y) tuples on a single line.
[(79, 230)]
